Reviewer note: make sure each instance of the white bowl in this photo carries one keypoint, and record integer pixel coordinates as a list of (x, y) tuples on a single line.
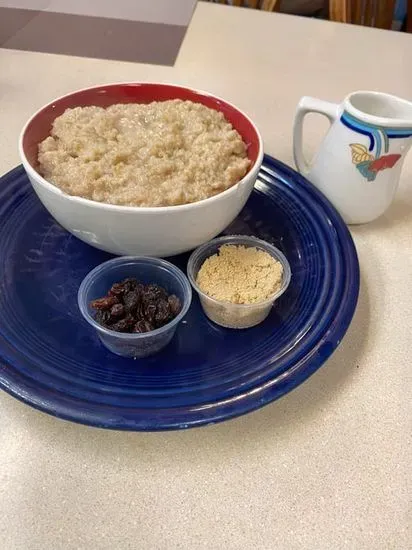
[(132, 230)]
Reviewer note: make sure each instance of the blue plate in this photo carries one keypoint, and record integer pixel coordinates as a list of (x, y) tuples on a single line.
[(50, 359)]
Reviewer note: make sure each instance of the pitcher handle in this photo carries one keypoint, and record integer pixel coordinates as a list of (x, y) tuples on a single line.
[(309, 105)]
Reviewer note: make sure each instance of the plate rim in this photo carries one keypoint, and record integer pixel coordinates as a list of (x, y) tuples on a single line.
[(111, 417)]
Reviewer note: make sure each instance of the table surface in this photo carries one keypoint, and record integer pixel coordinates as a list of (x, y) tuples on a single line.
[(325, 467)]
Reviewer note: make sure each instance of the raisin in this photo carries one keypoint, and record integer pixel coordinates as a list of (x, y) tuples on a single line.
[(162, 313), (129, 284), (103, 317), (139, 289), (117, 290), (156, 292), (149, 312), (131, 300), (104, 303), (117, 310), (121, 326), (130, 320), (142, 326), (147, 299), (174, 305)]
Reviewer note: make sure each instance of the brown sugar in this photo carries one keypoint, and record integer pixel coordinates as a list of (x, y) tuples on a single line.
[(240, 275)]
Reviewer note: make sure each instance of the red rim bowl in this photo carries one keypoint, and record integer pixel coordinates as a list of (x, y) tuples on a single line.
[(39, 126)]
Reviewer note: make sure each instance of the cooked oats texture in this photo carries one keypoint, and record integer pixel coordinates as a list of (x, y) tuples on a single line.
[(240, 275), (158, 154)]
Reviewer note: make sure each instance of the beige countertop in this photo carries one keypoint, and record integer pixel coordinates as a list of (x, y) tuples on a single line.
[(327, 466)]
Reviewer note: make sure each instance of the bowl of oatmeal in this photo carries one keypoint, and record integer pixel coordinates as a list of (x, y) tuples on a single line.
[(142, 168)]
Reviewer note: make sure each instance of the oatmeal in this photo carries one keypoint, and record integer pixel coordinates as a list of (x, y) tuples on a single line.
[(158, 154)]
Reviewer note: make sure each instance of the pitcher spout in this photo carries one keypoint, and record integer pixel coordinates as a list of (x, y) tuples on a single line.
[(380, 109)]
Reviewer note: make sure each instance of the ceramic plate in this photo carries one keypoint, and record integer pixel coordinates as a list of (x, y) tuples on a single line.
[(52, 360)]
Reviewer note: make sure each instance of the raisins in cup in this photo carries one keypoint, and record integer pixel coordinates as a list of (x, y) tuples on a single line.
[(131, 306)]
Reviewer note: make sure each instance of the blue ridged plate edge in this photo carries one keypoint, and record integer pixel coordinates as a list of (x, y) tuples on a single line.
[(233, 401)]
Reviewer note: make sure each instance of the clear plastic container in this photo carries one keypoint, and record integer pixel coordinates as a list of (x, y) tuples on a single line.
[(146, 270), (227, 314)]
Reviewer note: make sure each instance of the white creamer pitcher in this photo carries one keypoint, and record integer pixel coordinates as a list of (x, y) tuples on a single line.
[(359, 162)]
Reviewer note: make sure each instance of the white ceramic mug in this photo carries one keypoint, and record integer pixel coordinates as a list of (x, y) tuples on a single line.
[(359, 162)]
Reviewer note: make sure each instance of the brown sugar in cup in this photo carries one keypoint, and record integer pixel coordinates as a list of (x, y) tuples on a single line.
[(238, 278)]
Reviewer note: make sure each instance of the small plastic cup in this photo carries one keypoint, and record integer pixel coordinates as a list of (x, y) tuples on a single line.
[(146, 270), (227, 314)]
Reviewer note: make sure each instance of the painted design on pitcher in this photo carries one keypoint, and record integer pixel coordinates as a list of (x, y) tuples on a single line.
[(367, 164), (370, 161)]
